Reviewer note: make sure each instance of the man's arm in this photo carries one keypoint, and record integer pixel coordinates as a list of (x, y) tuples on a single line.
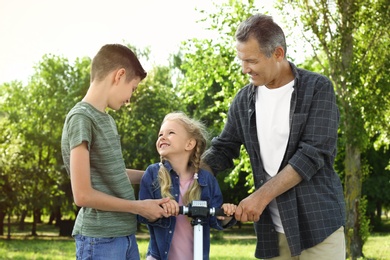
[(253, 206)]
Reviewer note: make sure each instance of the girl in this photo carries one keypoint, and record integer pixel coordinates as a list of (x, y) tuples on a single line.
[(181, 143)]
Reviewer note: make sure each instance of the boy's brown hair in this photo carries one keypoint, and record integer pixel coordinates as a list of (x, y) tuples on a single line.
[(115, 56)]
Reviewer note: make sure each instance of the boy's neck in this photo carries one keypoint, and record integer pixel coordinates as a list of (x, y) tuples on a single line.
[(96, 97)]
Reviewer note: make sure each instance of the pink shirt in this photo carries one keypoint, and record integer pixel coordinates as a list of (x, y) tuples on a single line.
[(182, 247)]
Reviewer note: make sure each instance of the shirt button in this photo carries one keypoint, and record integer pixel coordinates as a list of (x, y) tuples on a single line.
[(261, 181), (176, 195), (170, 231)]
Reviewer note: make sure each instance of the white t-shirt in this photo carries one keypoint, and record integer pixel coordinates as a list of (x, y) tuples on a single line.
[(273, 128)]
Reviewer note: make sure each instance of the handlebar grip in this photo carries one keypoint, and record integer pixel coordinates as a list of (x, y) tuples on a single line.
[(183, 210), (219, 212)]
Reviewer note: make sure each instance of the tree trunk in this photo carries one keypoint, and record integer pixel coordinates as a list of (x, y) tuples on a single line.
[(36, 218), (378, 211), (9, 227), (58, 216), (353, 191), (22, 218), (38, 215), (2, 217)]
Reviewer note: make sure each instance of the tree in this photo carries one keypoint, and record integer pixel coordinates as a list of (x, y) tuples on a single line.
[(9, 170), (376, 184), (35, 115), (212, 77), (354, 37)]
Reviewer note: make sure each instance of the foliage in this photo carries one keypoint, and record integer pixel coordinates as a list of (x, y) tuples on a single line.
[(31, 120), (364, 230), (354, 37), (33, 116), (376, 184), (212, 77)]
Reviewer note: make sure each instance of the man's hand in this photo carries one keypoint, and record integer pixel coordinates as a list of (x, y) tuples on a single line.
[(249, 209)]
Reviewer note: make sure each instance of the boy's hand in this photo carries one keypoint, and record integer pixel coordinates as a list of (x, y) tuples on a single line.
[(152, 209)]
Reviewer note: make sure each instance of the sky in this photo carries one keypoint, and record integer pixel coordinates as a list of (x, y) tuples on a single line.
[(73, 29), (78, 28)]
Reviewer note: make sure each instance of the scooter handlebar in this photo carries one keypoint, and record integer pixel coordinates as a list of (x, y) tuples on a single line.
[(200, 209), (218, 212)]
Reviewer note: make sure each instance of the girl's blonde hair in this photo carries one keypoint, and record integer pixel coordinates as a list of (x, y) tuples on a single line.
[(198, 131)]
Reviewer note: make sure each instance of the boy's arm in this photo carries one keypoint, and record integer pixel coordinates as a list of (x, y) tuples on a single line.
[(85, 195), (135, 175)]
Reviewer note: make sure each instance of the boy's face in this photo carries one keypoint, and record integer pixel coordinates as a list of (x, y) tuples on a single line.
[(122, 92)]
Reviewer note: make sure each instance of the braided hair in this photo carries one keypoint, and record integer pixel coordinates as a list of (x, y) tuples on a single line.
[(198, 131)]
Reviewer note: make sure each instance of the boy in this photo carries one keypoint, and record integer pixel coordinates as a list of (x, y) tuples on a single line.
[(106, 223)]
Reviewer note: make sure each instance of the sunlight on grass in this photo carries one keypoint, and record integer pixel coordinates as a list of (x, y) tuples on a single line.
[(221, 250), (26, 249), (377, 247), (235, 243)]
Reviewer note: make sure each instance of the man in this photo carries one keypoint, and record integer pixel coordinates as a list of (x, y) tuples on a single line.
[(287, 119)]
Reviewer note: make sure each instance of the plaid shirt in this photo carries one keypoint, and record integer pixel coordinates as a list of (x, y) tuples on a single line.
[(315, 208)]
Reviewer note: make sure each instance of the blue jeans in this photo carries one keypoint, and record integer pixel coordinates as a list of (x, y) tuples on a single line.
[(107, 248)]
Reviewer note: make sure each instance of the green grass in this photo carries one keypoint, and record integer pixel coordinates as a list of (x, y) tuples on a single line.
[(233, 243)]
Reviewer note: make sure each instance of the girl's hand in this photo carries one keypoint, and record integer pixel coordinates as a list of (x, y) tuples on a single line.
[(229, 210), (171, 207)]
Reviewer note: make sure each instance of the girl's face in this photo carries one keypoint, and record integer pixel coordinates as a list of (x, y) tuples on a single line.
[(173, 139)]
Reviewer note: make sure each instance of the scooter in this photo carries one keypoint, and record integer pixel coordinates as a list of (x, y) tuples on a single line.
[(198, 210)]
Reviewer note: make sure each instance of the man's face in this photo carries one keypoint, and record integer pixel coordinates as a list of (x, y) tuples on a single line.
[(261, 69)]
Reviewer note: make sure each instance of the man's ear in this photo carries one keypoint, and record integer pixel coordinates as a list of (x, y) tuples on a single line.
[(279, 53)]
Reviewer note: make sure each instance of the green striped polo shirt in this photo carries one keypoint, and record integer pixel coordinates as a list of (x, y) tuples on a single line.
[(108, 171)]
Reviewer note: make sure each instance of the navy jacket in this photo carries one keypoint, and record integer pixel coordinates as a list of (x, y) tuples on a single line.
[(161, 231)]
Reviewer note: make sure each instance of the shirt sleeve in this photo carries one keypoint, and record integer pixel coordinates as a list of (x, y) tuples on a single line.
[(79, 130), (216, 202), (316, 130), (225, 147), (149, 190)]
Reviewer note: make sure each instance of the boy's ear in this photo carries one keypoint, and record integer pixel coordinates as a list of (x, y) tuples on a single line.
[(119, 74)]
